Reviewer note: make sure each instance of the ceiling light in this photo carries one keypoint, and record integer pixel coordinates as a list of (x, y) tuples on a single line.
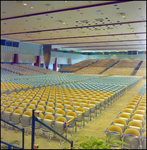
[(122, 14), (84, 21), (63, 22), (109, 28), (60, 21), (65, 1), (99, 19), (31, 7), (97, 29), (24, 4)]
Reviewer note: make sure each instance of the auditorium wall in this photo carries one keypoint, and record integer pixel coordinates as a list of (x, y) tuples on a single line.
[(26, 49)]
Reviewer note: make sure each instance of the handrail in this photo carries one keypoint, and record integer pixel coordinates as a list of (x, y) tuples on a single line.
[(34, 118), (10, 145), (22, 129), (11, 124)]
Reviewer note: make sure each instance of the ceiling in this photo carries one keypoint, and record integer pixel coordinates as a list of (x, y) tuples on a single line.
[(88, 26)]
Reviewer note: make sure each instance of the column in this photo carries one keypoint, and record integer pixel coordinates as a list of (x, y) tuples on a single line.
[(47, 54), (37, 61), (15, 60), (55, 65)]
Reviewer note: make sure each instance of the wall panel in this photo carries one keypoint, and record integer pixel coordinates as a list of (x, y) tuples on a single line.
[(7, 57), (25, 58), (62, 60)]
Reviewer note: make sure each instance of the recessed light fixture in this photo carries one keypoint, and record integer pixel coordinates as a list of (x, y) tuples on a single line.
[(47, 4), (31, 7), (99, 19), (25, 4), (84, 21)]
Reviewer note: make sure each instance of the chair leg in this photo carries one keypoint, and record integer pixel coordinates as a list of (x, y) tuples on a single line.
[(37, 133), (26, 131), (16, 130), (49, 137), (6, 127)]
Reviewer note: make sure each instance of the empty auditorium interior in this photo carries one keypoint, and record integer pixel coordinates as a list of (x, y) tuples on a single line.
[(72, 69)]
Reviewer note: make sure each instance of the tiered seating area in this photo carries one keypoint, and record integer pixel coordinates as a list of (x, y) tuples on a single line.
[(37, 69), (26, 69), (142, 70), (7, 73), (124, 67), (130, 124), (104, 63), (77, 66), (97, 67), (90, 70)]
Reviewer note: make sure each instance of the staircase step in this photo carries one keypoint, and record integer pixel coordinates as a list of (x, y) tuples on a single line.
[(109, 67), (136, 69)]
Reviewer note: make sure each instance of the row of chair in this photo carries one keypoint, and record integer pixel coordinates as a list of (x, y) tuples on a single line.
[(19, 70), (29, 98), (10, 87), (18, 116), (7, 73), (130, 125), (72, 81)]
